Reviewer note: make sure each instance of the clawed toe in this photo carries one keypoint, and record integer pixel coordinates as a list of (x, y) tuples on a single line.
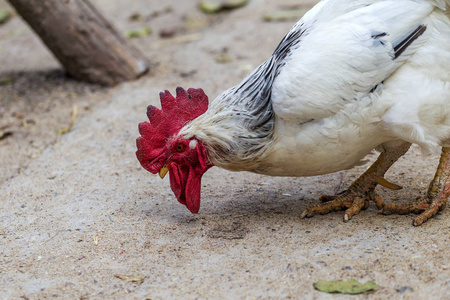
[(358, 196), (427, 208), (361, 192), (348, 201), (358, 205), (404, 209)]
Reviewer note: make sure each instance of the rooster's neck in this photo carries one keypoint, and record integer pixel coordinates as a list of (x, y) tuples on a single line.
[(235, 137), (238, 127)]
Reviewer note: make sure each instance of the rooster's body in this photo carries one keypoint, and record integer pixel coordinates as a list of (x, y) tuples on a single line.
[(349, 77)]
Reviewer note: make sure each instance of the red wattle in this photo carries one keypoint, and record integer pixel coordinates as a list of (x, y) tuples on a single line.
[(193, 192)]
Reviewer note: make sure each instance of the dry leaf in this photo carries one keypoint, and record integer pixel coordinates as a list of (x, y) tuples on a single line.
[(131, 278), (72, 121)]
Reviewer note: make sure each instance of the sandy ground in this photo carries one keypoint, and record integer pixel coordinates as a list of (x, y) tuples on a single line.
[(77, 209)]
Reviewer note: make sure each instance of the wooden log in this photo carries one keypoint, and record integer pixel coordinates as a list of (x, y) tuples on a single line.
[(83, 41)]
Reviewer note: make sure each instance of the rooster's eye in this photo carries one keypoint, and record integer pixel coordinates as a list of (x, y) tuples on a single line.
[(180, 147)]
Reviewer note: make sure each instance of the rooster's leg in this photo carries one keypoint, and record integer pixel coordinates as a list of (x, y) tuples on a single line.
[(436, 199), (362, 190)]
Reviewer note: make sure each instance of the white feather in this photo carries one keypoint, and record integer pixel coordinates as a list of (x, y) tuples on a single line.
[(341, 91), (339, 61)]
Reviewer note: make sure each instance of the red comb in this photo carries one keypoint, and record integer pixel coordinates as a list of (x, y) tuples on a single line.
[(165, 123)]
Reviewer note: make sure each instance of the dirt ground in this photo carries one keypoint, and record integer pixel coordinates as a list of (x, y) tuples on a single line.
[(77, 209)]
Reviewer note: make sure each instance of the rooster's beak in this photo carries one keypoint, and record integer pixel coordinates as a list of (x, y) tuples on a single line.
[(163, 171)]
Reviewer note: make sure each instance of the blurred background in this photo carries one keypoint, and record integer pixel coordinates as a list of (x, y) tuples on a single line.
[(208, 44), (81, 219)]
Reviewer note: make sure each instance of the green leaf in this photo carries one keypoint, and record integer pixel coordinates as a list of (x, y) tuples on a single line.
[(215, 6), (230, 4), (210, 7), (5, 15), (6, 80), (138, 33), (345, 287)]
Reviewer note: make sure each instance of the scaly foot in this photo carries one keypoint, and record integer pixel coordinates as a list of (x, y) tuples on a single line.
[(362, 191), (352, 201), (436, 199), (427, 208)]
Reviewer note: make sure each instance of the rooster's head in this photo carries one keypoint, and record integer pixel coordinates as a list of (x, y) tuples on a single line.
[(161, 150)]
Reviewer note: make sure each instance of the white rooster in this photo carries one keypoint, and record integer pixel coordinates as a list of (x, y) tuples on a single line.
[(349, 77)]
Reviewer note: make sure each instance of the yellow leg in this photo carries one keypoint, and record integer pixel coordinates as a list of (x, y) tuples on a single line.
[(437, 195), (362, 190)]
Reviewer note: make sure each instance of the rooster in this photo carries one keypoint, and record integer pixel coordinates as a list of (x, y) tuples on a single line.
[(349, 77)]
